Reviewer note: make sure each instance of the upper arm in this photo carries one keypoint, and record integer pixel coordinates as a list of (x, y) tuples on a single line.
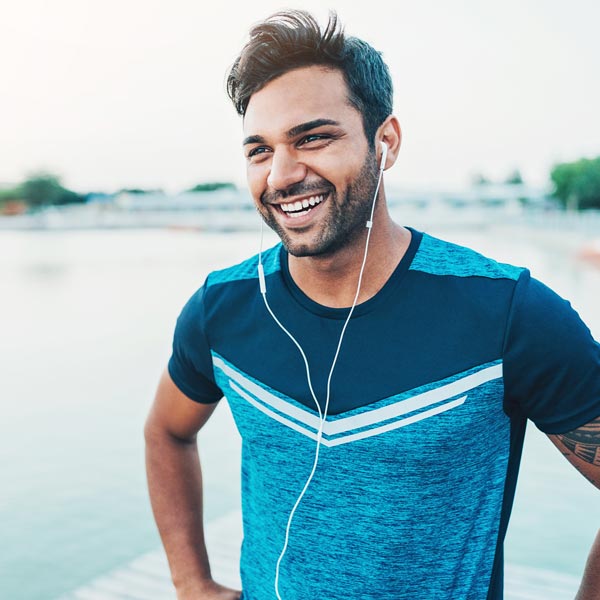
[(551, 362), (581, 447), (174, 413)]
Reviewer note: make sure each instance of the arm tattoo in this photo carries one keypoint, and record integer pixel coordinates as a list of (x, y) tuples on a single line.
[(584, 442)]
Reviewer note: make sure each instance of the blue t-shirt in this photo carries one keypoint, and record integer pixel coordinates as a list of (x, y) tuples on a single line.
[(437, 375)]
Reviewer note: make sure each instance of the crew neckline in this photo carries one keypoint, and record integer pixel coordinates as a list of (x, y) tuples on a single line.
[(364, 307)]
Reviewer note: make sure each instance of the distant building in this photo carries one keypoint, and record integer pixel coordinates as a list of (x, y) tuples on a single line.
[(224, 199), (100, 198), (505, 195)]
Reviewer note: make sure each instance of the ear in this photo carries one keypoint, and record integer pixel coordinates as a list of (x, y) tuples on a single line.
[(390, 134)]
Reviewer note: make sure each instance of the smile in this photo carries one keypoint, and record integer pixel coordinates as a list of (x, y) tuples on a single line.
[(301, 207)]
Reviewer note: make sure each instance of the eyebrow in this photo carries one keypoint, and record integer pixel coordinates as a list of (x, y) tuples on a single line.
[(254, 139), (294, 131)]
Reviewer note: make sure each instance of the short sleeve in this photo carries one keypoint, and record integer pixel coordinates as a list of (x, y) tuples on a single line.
[(190, 365), (551, 362)]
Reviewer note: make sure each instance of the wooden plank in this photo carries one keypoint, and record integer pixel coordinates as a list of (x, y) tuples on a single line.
[(148, 578)]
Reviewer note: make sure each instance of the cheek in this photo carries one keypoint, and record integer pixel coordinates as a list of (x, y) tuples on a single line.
[(256, 178), (341, 171)]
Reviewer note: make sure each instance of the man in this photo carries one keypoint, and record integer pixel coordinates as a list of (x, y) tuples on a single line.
[(381, 442)]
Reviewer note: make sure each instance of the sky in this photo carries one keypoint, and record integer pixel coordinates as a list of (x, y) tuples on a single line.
[(131, 93)]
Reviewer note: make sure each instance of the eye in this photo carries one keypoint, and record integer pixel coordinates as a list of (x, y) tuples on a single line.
[(257, 151), (314, 137)]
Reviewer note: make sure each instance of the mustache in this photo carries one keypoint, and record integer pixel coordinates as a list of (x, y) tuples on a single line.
[(302, 188)]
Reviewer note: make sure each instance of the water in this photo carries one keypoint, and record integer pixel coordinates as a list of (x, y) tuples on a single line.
[(86, 321)]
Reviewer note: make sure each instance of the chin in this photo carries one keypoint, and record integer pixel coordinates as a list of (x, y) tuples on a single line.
[(301, 251), (321, 248), (324, 243)]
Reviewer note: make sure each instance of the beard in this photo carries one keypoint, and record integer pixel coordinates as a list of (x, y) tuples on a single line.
[(345, 221)]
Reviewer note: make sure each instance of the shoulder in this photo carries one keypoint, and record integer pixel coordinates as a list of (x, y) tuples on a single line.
[(551, 360), (247, 269), (438, 257), (221, 284)]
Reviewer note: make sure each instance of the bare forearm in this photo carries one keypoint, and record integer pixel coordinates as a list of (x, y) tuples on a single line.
[(590, 584), (175, 486)]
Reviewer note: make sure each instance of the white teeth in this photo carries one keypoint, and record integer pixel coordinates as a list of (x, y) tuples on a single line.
[(299, 214), (294, 209)]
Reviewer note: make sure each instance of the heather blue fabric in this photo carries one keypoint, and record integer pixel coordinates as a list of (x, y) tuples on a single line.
[(420, 452)]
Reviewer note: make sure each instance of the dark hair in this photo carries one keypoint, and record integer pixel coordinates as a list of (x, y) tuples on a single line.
[(292, 39)]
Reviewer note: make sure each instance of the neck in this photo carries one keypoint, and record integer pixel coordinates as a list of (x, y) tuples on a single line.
[(332, 280)]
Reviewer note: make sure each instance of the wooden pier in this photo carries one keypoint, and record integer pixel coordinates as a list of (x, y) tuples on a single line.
[(147, 577)]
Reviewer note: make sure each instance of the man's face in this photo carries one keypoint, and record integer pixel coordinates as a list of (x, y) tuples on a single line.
[(309, 168)]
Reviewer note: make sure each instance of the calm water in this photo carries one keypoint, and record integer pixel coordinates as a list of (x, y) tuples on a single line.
[(86, 321)]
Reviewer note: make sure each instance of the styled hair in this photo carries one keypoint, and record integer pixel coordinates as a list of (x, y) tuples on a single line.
[(292, 39)]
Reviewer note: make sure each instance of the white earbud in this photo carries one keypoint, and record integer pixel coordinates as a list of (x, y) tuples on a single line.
[(384, 151)]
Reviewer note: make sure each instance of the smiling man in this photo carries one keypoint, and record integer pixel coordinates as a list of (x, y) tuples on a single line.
[(380, 378)]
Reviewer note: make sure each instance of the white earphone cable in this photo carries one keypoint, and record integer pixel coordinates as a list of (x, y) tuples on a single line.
[(322, 413)]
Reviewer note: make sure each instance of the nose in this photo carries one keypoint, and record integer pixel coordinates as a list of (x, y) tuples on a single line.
[(286, 170)]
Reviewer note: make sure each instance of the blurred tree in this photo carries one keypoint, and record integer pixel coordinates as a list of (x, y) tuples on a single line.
[(41, 189), (140, 191), (212, 186), (44, 189), (577, 184), (9, 194), (514, 178), (480, 179), (70, 197)]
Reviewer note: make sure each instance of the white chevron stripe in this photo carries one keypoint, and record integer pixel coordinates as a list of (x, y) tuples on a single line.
[(444, 392), (271, 413), (310, 419), (368, 417), (346, 439)]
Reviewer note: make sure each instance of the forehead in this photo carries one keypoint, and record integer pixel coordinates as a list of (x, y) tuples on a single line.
[(300, 96)]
